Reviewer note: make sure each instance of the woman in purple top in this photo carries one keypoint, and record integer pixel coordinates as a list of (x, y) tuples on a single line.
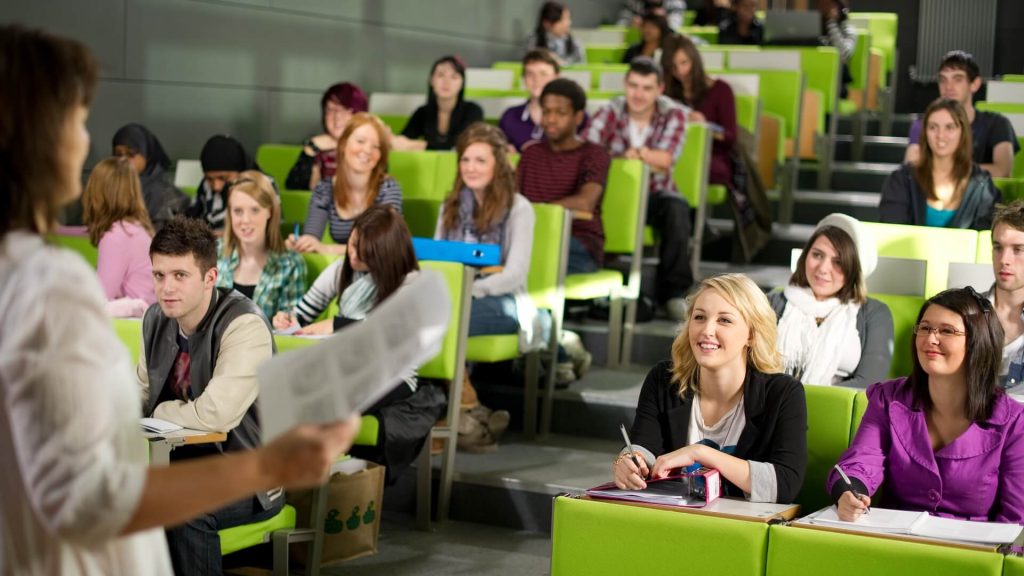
[(119, 227), (945, 440)]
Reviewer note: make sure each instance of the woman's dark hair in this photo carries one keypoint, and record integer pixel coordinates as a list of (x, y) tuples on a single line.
[(551, 12), (963, 159), (42, 79), (674, 87), (658, 20), (185, 236), (853, 290), (984, 352), (385, 246), (460, 69), (346, 94)]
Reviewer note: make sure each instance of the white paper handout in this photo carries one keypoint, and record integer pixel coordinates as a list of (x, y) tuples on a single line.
[(354, 368), (158, 426), (921, 524)]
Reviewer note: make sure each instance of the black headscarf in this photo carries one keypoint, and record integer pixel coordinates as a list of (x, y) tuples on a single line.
[(224, 153), (140, 139)]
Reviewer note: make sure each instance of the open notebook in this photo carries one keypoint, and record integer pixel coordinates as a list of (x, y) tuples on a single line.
[(921, 524)]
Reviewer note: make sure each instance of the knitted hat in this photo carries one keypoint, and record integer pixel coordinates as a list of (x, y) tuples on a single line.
[(867, 252)]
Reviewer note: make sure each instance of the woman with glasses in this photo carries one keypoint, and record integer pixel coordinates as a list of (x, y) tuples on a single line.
[(945, 440)]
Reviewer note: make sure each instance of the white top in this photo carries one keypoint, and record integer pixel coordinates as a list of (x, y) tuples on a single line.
[(73, 454), (724, 436)]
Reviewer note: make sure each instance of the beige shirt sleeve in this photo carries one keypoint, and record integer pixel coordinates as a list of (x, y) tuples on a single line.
[(142, 375), (233, 388)]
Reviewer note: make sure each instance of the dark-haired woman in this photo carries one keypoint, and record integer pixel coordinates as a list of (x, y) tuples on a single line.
[(654, 34), (554, 32), (163, 200), (318, 160), (79, 497), (946, 440), (830, 332), (437, 124), (380, 259), (946, 189), (741, 26)]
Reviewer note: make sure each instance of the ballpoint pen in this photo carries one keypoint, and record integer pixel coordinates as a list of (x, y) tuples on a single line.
[(629, 446), (849, 484), (296, 230)]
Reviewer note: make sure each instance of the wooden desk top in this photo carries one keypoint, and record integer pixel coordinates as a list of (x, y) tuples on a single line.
[(734, 508)]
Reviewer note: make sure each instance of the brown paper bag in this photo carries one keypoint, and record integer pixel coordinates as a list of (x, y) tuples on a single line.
[(352, 518)]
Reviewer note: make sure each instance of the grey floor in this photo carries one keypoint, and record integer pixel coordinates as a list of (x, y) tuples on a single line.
[(459, 548)]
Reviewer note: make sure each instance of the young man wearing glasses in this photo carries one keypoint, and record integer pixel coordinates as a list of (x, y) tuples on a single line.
[(1007, 293)]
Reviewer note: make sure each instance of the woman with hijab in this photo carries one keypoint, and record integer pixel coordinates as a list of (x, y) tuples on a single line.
[(143, 149), (223, 158)]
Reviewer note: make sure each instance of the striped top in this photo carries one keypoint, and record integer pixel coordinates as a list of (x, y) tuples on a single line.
[(323, 213)]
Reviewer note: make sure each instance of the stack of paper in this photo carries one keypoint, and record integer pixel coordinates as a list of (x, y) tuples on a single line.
[(920, 524), (158, 426)]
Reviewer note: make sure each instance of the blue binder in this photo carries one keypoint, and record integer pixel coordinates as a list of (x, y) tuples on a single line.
[(479, 255)]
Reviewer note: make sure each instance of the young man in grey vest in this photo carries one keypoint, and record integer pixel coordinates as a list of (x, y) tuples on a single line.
[(201, 347)]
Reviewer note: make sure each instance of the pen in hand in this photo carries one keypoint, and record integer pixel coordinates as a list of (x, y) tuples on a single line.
[(849, 486), (632, 454)]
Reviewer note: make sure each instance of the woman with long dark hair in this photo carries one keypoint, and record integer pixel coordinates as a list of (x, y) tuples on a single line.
[(554, 33), (946, 188), (946, 440), (437, 124)]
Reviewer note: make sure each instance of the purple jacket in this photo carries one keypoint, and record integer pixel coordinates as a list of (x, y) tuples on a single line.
[(978, 476)]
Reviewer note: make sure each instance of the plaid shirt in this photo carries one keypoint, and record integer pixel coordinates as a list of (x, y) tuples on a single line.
[(281, 285), (610, 128)]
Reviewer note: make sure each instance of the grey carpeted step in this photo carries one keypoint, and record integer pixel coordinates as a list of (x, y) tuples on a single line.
[(848, 176), (876, 149)]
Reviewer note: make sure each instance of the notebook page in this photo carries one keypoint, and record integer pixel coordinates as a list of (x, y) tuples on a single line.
[(967, 531)]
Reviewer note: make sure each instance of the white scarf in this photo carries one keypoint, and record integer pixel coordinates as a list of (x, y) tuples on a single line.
[(811, 353)]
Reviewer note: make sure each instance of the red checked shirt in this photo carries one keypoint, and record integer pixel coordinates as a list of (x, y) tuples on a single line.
[(610, 128)]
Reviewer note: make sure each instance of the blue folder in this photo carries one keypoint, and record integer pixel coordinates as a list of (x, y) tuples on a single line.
[(479, 255)]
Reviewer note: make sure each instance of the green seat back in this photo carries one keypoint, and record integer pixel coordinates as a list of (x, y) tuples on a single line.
[(492, 348), (189, 191), (80, 244), (621, 205), (784, 97), (883, 27), (860, 406), (860, 59), (276, 160), (605, 53), (1001, 107), (444, 176), (129, 332), (691, 171), (829, 416), (315, 265), (416, 172), (1013, 77), (1018, 166), (546, 257), (937, 246), (396, 122), (1013, 565), (1010, 188), (708, 34), (601, 538), (294, 206), (984, 255), (793, 551), (248, 535), (821, 67), (421, 216), (443, 365), (746, 112), (904, 314)]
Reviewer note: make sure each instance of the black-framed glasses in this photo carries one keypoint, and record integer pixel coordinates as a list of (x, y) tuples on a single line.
[(943, 332)]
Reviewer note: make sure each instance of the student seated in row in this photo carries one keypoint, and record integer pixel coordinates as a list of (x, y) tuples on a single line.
[(438, 124), (648, 126), (201, 346), (671, 10), (318, 160), (361, 180), (946, 440), (522, 123), (722, 401), (380, 260), (741, 25), (945, 188), (1007, 292), (993, 140), (554, 32), (566, 170), (655, 34), (830, 332), (223, 158), (163, 201), (119, 227), (251, 256)]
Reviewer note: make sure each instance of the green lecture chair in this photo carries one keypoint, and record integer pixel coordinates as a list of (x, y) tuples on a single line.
[(829, 420), (904, 315), (691, 175), (610, 539), (416, 172), (605, 53), (937, 246), (623, 211), (883, 27), (294, 206), (80, 244), (795, 550), (1013, 565), (984, 254), (860, 405), (276, 160), (545, 283)]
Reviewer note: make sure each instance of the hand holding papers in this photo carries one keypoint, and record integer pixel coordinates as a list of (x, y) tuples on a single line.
[(357, 366)]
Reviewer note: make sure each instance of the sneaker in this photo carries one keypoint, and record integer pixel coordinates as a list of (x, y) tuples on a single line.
[(581, 364), (497, 423), (564, 373), (676, 309)]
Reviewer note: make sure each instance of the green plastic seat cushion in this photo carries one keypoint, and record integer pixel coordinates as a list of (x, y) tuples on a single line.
[(847, 107), (249, 535), (129, 332), (496, 348), (276, 160), (592, 285), (80, 244), (369, 430)]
